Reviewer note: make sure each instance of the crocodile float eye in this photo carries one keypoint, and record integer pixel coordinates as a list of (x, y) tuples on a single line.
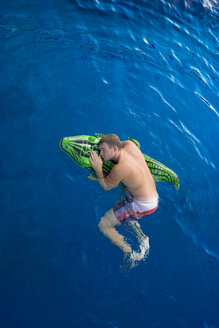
[(91, 139)]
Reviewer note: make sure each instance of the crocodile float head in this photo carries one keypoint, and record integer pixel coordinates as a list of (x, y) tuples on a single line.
[(79, 148)]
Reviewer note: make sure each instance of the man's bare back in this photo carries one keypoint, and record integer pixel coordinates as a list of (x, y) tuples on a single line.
[(130, 169), (135, 172)]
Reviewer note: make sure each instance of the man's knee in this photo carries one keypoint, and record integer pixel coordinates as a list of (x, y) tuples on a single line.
[(104, 224), (107, 221), (101, 225)]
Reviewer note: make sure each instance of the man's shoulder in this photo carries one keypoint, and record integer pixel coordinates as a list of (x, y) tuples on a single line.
[(127, 143), (130, 147)]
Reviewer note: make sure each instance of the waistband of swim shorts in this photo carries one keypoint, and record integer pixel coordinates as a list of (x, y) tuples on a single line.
[(145, 201)]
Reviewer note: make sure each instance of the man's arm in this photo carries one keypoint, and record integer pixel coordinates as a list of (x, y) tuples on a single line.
[(109, 182)]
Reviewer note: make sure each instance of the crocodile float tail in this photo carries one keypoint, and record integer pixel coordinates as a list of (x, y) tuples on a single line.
[(160, 172)]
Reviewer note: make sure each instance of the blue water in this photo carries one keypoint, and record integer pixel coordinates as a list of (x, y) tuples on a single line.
[(146, 69)]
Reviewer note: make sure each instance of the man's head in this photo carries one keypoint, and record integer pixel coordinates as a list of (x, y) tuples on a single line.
[(110, 146)]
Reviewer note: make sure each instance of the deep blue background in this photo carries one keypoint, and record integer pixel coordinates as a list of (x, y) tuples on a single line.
[(143, 69)]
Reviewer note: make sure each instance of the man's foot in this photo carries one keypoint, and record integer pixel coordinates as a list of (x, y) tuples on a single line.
[(144, 246), (132, 259), (144, 250)]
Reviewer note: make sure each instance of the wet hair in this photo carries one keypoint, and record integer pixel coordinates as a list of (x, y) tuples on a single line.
[(111, 140)]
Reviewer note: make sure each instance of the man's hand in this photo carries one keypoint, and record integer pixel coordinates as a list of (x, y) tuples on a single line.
[(96, 162), (112, 180)]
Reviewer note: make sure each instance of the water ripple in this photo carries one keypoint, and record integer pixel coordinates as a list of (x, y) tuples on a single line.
[(164, 100), (207, 102)]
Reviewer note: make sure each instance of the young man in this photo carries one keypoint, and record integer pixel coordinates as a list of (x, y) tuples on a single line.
[(132, 170)]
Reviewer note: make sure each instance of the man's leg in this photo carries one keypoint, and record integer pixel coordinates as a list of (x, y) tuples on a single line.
[(106, 226), (137, 229)]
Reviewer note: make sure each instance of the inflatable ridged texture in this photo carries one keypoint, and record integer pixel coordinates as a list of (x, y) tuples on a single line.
[(79, 148)]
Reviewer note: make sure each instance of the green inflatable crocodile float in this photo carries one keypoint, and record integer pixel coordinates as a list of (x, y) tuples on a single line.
[(79, 148)]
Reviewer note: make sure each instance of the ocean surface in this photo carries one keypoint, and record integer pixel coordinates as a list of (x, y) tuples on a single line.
[(142, 69)]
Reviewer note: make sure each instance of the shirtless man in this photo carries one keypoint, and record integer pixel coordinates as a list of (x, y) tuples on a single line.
[(132, 170)]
